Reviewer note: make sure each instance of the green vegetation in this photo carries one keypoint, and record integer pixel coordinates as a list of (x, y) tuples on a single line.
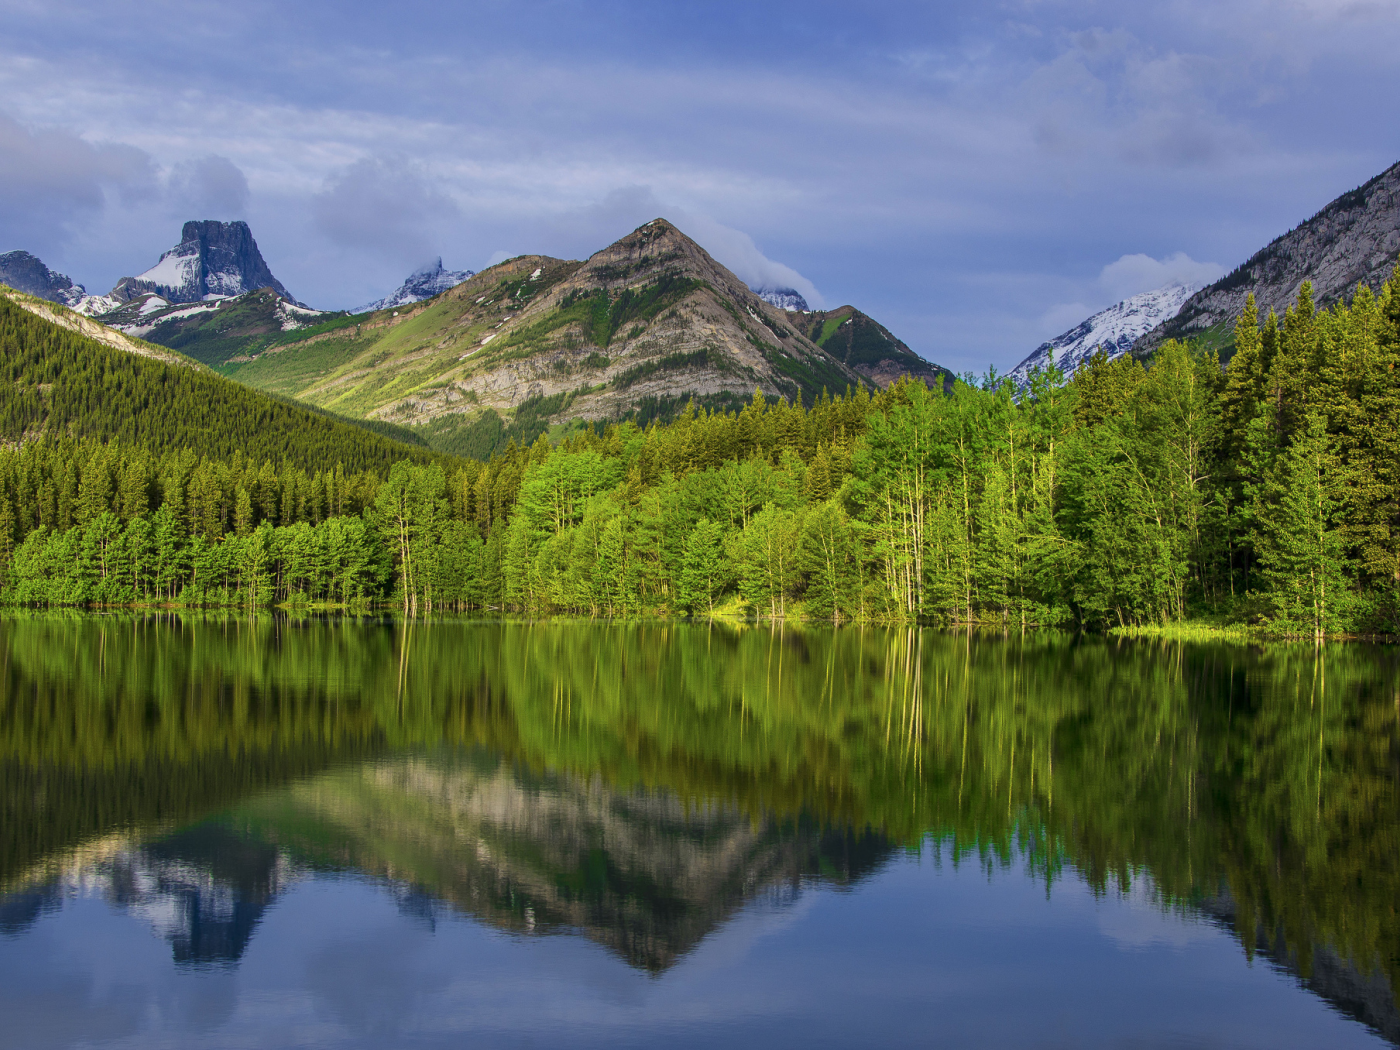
[(57, 384), (1131, 496)]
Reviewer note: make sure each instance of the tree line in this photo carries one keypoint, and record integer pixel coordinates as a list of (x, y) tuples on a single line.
[(1132, 493)]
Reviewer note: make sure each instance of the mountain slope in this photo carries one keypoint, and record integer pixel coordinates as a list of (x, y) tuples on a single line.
[(867, 347), (56, 381), (212, 331), (213, 259), (1114, 329), (1354, 239), (421, 284), (648, 319)]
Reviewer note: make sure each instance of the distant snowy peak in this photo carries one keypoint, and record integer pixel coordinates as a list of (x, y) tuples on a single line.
[(1114, 329), (782, 298), (213, 260), (26, 273), (421, 284)]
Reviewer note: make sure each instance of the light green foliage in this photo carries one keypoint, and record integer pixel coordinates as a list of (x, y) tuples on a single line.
[(1134, 494)]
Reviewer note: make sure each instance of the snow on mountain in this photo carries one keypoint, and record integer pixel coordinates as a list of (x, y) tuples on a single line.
[(214, 260), (782, 298), (421, 284), (26, 273), (1114, 329)]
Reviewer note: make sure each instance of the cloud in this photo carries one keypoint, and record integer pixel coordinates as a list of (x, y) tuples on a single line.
[(737, 251), (1131, 274), (385, 207), (1064, 316), (211, 187), (51, 179)]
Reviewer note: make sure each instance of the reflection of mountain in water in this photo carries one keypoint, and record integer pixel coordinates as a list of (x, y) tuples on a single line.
[(203, 889), (637, 871), (1366, 997)]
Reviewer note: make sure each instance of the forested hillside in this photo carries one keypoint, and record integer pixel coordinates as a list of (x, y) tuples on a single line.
[(58, 383), (1131, 494)]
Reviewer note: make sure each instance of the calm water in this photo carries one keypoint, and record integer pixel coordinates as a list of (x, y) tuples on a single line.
[(237, 833)]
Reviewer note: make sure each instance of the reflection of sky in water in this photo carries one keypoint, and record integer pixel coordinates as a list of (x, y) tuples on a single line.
[(919, 954)]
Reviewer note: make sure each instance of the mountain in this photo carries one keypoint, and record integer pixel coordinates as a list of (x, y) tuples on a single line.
[(421, 284), (211, 331), (25, 273), (213, 260), (1353, 240), (866, 346), (782, 298), (65, 375), (646, 323), (1114, 329)]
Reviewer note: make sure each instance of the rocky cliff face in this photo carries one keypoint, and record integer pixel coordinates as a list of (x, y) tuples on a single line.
[(1353, 240), (213, 260), (421, 284), (1113, 330), (26, 273)]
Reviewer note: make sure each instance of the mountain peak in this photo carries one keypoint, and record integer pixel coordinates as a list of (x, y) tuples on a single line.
[(782, 298), (423, 283), (27, 273), (213, 260)]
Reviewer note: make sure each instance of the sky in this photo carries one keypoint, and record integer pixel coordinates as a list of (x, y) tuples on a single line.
[(978, 176)]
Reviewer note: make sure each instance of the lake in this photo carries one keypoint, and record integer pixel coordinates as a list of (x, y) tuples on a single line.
[(365, 832)]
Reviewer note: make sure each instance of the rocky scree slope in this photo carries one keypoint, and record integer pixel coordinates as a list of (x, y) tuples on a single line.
[(652, 318), (1113, 330), (1353, 240)]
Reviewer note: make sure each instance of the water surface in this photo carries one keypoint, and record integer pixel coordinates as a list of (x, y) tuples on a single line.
[(272, 832)]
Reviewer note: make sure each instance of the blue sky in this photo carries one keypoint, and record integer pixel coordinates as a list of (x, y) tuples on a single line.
[(977, 176)]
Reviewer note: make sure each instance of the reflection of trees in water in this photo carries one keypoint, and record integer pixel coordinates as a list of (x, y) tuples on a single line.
[(1272, 772)]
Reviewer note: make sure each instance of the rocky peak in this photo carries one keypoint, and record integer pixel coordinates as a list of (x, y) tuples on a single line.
[(213, 260), (424, 283), (26, 273), (782, 298)]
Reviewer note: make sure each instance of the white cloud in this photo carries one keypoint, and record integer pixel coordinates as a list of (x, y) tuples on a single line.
[(1131, 274)]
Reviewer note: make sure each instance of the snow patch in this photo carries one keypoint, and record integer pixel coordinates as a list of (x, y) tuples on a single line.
[(173, 271), (1114, 329)]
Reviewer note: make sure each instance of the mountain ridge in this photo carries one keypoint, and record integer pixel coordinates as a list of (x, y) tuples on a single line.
[(649, 319), (1353, 239)]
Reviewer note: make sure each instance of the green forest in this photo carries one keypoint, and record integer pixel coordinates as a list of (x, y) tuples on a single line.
[(1132, 494)]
